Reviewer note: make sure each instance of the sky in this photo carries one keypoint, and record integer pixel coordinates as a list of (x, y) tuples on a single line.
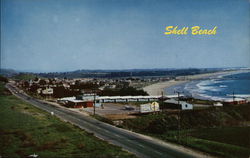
[(66, 35)]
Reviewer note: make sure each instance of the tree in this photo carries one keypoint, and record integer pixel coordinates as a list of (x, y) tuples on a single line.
[(42, 82), (3, 79), (36, 79), (34, 88), (26, 84)]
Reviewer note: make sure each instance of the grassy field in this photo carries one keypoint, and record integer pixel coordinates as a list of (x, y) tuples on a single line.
[(219, 131), (25, 130), (227, 142), (24, 76)]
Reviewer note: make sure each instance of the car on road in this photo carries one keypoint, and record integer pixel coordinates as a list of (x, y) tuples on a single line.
[(126, 107)]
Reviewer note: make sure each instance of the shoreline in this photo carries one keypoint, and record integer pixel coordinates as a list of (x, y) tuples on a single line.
[(158, 88)]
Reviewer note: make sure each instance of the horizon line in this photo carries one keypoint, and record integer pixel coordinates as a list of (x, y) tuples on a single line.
[(129, 69)]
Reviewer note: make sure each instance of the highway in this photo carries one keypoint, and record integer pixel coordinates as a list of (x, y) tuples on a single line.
[(142, 146)]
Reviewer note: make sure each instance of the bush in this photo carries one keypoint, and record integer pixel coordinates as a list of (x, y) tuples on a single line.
[(3, 79), (123, 92)]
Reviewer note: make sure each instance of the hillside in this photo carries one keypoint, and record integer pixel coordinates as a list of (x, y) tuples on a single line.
[(225, 129), (25, 130), (8, 72), (24, 76), (127, 73)]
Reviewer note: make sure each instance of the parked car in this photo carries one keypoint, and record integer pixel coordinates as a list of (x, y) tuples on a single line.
[(129, 108)]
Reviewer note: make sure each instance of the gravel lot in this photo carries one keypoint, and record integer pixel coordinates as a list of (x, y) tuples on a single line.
[(113, 108)]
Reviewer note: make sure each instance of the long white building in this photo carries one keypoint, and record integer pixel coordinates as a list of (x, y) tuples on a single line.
[(117, 99)]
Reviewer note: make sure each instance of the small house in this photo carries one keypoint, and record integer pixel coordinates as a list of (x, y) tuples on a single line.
[(218, 104), (47, 91)]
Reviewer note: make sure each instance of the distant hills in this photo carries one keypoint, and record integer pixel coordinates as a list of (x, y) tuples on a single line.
[(84, 73), (109, 73), (8, 72), (129, 73)]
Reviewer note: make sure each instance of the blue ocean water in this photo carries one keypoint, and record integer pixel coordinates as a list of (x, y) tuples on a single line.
[(216, 87)]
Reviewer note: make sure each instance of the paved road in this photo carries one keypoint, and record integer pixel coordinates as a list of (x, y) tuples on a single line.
[(141, 145)]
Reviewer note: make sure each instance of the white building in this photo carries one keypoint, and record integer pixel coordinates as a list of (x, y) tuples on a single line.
[(182, 104), (218, 104), (150, 107), (47, 91)]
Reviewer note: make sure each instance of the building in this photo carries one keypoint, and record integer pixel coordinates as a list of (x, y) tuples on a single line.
[(39, 91), (218, 104), (117, 99), (47, 91), (174, 104), (150, 107), (88, 99), (234, 101), (79, 104), (74, 102)]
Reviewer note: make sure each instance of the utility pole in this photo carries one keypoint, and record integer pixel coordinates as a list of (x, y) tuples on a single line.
[(233, 98), (162, 101), (179, 116), (94, 104)]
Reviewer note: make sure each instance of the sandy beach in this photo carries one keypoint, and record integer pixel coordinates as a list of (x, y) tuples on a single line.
[(158, 88)]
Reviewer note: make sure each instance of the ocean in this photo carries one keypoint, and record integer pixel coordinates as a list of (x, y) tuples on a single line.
[(215, 87)]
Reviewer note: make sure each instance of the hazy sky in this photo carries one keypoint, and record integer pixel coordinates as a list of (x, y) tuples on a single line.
[(63, 35)]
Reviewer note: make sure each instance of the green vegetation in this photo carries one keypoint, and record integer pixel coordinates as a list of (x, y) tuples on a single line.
[(25, 76), (199, 101), (60, 92), (122, 92), (3, 79), (219, 131), (225, 141), (103, 119), (25, 129)]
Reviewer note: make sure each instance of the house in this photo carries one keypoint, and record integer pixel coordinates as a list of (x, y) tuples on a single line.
[(66, 85), (39, 91), (218, 104), (47, 91), (174, 104)]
